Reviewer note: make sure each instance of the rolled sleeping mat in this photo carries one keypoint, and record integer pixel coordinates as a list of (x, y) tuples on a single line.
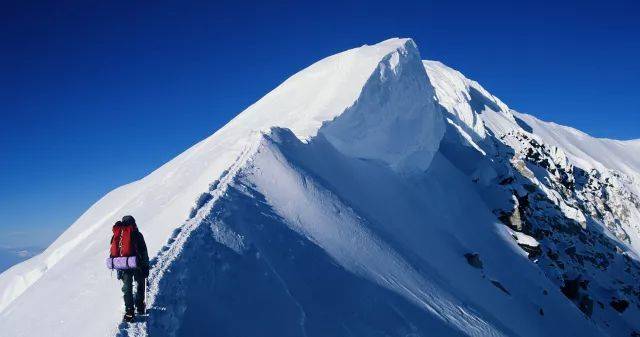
[(122, 262)]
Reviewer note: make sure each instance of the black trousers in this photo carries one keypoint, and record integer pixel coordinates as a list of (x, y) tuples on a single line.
[(127, 277)]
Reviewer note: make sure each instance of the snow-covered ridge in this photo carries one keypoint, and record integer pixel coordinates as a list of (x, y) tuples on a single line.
[(296, 203), (371, 193), (463, 100), (587, 151), (162, 201), (576, 196), (302, 103)]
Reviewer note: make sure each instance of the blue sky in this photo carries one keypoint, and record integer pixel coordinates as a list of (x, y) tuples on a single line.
[(98, 94)]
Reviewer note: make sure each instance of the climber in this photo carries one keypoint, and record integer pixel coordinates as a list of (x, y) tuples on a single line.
[(127, 242)]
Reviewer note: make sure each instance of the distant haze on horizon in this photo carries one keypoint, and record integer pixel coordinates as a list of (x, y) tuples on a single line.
[(96, 95)]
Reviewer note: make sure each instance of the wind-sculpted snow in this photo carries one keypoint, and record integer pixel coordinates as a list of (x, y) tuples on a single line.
[(370, 194), (315, 242), (321, 217), (462, 101), (400, 233), (220, 286), (71, 271), (395, 119)]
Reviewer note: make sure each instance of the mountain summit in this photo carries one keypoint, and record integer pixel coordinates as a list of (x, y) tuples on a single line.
[(372, 193)]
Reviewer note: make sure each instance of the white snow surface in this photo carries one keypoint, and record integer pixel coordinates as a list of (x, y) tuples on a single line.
[(161, 201), (473, 110), (402, 233), (463, 100), (587, 151), (71, 271), (343, 155)]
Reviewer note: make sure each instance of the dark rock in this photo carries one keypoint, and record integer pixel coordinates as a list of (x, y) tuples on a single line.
[(584, 284), (500, 286), (586, 305), (506, 181), (473, 259), (533, 252), (571, 251), (552, 255), (570, 288), (619, 305)]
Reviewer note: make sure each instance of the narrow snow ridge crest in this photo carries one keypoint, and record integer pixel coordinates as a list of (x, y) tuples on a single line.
[(302, 103), (318, 214)]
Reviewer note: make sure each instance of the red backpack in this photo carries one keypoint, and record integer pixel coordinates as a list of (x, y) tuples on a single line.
[(122, 241)]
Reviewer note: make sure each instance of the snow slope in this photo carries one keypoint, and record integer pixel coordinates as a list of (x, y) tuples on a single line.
[(586, 151), (475, 110), (71, 270), (575, 199), (356, 198), (161, 201)]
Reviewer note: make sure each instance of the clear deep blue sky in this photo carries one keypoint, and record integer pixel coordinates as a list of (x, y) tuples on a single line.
[(94, 95)]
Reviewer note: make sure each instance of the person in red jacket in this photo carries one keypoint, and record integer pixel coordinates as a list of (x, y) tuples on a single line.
[(138, 275)]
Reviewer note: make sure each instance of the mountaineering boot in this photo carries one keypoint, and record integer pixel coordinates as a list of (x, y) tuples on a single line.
[(141, 310), (128, 316)]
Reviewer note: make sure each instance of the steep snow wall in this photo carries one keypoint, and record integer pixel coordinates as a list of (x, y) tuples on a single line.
[(308, 241), (395, 120), (407, 235)]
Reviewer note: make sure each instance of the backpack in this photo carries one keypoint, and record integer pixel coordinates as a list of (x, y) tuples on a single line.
[(122, 241)]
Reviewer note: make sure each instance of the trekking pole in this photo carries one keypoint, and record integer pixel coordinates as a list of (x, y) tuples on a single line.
[(146, 310)]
